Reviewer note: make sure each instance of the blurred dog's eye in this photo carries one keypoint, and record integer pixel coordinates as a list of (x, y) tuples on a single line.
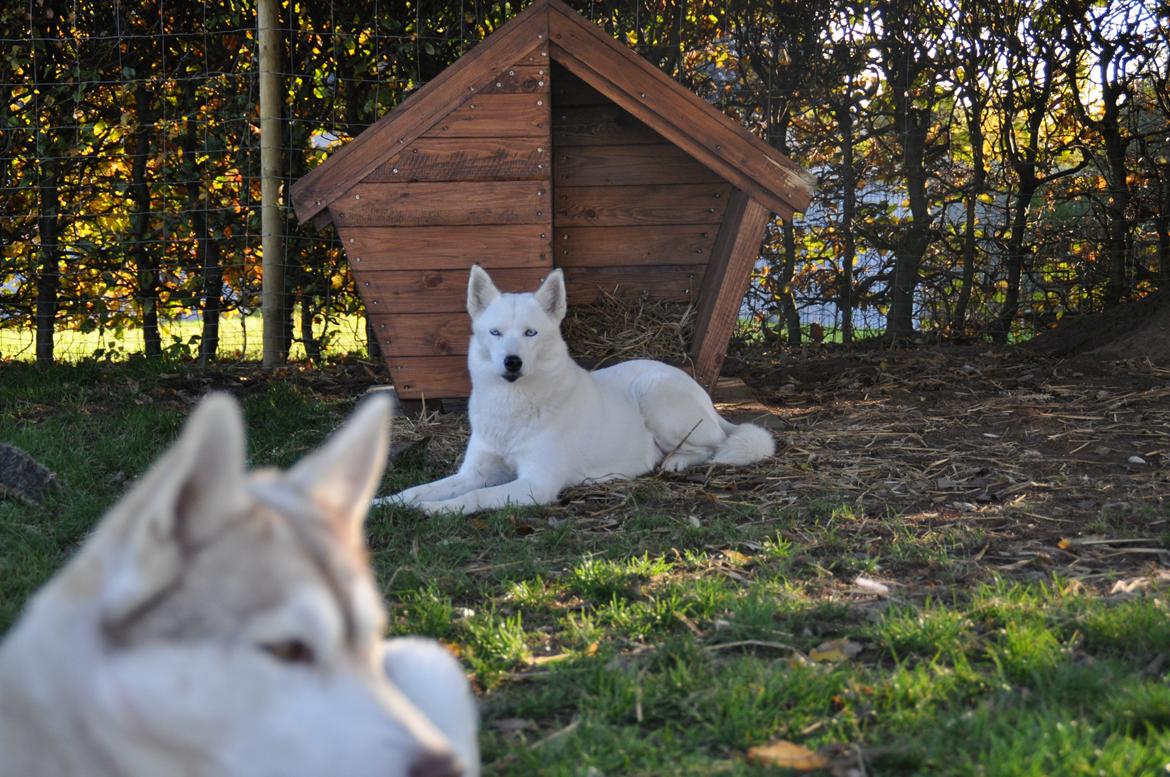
[(494, 333), (291, 651), (530, 333)]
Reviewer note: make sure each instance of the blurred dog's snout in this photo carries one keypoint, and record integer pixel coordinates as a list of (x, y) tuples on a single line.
[(436, 764), (513, 363)]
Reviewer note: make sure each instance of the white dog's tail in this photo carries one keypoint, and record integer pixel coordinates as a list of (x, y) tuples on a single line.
[(745, 444)]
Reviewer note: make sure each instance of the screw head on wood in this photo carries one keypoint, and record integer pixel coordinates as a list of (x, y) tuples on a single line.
[(357, 259), (499, 84), (365, 283), (395, 171), (540, 149), (542, 235), (540, 102), (511, 72), (357, 196), (540, 83)]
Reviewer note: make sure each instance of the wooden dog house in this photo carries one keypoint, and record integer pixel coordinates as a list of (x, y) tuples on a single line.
[(548, 144)]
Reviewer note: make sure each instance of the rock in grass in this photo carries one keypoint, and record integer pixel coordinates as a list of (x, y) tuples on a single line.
[(22, 477)]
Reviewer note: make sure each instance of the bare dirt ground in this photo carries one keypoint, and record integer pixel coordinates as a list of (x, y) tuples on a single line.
[(1063, 465)]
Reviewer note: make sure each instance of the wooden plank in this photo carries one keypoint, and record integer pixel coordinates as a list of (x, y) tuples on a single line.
[(737, 247), (395, 292), (598, 125), (627, 164), (585, 285), (671, 110), (519, 78), (437, 291), (448, 248), (423, 334), (442, 204), (610, 246), (468, 159), (523, 36), (429, 377), (588, 206), (568, 90), (495, 116)]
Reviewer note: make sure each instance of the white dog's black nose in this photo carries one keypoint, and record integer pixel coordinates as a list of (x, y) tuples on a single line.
[(513, 363)]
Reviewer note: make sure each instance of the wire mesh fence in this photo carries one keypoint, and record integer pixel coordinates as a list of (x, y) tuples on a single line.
[(130, 174)]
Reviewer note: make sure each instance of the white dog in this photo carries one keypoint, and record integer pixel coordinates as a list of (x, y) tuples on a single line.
[(220, 623), (541, 423)]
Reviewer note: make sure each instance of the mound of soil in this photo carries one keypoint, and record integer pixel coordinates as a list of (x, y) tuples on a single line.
[(1137, 330)]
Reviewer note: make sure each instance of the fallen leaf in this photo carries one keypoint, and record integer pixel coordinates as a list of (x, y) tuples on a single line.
[(737, 558), (788, 755), (1064, 543), (835, 651), (1136, 460), (543, 660)]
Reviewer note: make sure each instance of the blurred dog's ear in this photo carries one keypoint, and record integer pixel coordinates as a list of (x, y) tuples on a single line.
[(342, 476), (188, 496)]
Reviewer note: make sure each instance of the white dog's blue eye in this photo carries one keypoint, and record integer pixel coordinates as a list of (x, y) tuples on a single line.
[(530, 333), (494, 333)]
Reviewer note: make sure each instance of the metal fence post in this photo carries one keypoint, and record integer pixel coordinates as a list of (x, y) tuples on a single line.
[(272, 243)]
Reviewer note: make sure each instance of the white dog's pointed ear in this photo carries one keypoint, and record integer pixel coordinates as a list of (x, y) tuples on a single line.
[(551, 294), (186, 497), (481, 292), (343, 474)]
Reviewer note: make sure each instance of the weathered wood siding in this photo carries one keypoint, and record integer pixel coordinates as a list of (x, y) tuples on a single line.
[(627, 200), (475, 187)]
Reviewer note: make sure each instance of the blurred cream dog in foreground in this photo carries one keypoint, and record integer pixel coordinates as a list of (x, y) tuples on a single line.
[(540, 423), (225, 623)]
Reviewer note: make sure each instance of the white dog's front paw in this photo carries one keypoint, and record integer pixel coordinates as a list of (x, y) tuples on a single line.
[(401, 499), (411, 497), (441, 507)]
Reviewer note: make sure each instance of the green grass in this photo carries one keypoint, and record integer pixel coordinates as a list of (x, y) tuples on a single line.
[(240, 338), (655, 646)]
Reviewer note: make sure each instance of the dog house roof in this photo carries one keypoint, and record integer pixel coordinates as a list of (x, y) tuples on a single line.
[(623, 77)]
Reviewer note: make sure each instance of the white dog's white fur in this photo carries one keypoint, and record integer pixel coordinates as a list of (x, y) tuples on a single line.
[(541, 423), (221, 623)]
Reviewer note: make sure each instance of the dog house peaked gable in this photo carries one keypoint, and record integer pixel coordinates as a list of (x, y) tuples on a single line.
[(548, 144)]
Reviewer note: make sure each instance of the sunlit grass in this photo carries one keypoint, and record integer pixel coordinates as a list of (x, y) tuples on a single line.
[(240, 339)]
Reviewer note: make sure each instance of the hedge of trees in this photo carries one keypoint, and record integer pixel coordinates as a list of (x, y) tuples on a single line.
[(983, 168)]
